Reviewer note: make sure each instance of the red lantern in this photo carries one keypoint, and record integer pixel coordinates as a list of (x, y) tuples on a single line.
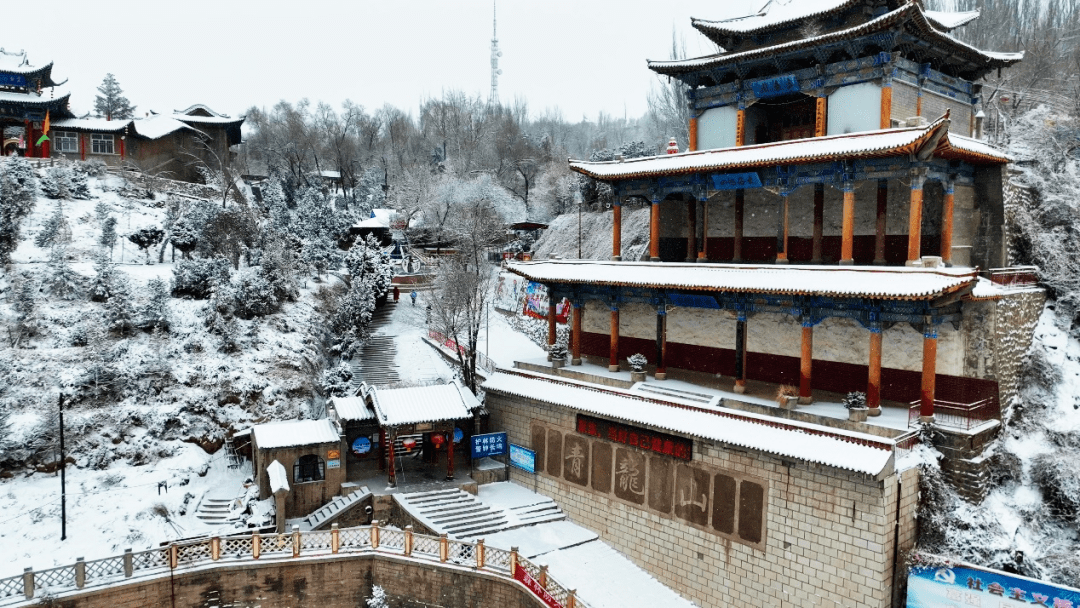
[(437, 440), (408, 444)]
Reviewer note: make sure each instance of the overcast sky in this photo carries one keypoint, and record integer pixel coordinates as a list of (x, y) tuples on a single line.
[(584, 56)]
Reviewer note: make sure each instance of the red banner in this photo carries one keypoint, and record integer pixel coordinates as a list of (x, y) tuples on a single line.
[(523, 577)]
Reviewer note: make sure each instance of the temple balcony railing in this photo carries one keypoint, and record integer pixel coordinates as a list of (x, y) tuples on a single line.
[(1014, 276), (963, 416)]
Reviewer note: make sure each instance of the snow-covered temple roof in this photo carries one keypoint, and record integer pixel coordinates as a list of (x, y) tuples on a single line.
[(838, 448), (908, 16), (421, 404), (295, 433), (773, 15), (877, 282), (159, 125), (950, 21), (91, 124), (352, 408), (58, 100)]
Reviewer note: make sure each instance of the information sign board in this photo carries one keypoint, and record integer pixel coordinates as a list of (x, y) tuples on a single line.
[(523, 458), (490, 444)]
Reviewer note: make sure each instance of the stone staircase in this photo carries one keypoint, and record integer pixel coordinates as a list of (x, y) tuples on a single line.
[(376, 363), (461, 515), (333, 509), (216, 511)]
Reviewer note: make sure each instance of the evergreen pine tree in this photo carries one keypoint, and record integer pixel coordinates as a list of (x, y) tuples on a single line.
[(185, 236), (111, 102), (119, 309), (18, 191), (108, 234), (156, 312), (101, 284), (25, 306), (62, 281), (51, 229)]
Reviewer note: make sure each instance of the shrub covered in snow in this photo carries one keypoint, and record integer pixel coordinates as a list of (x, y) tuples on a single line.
[(253, 294), (1058, 477), (855, 400), (197, 278), (637, 362), (18, 189)]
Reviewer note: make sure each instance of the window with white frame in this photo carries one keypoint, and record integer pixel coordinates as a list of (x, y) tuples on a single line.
[(66, 141), (101, 143)]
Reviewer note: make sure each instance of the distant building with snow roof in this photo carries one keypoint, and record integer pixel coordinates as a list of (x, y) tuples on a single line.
[(837, 225)]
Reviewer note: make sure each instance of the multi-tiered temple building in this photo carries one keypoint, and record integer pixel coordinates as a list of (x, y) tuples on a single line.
[(27, 93), (837, 225)]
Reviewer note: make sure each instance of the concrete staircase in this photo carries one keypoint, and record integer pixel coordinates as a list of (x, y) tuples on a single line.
[(461, 515), (216, 511), (376, 362), (325, 515)]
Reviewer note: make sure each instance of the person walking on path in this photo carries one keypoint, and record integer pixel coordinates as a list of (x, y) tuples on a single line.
[(413, 296)]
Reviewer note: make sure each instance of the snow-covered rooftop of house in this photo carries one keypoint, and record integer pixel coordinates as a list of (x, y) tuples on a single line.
[(420, 404), (986, 289), (294, 433), (909, 12), (279, 480), (91, 124), (18, 63), (951, 21), (890, 283), (975, 146), (866, 144), (380, 218), (159, 125), (774, 13), (838, 448), (209, 120), (33, 98), (352, 408)]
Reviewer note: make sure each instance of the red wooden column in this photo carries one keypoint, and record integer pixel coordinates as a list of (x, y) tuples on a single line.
[(703, 255), (819, 221), (29, 131), (82, 146), (691, 231), (740, 355), (616, 231), (551, 325), (450, 455), (382, 449), (654, 231), (947, 223), (390, 463), (613, 364), (929, 375), (914, 248), (692, 143), (806, 363), (848, 238), (873, 384), (882, 217), (576, 356), (661, 343), (782, 229), (740, 204)]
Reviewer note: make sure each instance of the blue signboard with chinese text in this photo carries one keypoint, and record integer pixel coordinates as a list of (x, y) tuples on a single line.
[(930, 586), (12, 80), (736, 181), (523, 458), (490, 444), (775, 87)]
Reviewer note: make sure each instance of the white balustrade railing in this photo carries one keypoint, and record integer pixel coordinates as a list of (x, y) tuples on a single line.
[(362, 540)]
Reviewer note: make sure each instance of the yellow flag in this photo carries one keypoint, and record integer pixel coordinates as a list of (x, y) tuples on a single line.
[(45, 131)]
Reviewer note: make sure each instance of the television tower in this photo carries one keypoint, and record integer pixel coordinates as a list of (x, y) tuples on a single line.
[(493, 97)]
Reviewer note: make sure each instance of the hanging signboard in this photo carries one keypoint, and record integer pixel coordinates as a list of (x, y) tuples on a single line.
[(959, 584), (534, 585), (735, 181), (523, 458), (775, 87), (489, 444), (12, 80)]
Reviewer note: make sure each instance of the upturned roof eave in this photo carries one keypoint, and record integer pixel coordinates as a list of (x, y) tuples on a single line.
[(904, 149)]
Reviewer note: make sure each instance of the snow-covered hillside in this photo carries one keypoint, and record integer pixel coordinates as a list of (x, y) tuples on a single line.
[(146, 403)]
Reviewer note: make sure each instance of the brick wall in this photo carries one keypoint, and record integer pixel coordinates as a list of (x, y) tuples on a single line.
[(342, 582), (827, 532)]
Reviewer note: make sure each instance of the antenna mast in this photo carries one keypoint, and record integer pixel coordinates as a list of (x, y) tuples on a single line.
[(493, 97)]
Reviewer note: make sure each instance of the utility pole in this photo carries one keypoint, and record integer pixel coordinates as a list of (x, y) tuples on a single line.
[(63, 466)]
